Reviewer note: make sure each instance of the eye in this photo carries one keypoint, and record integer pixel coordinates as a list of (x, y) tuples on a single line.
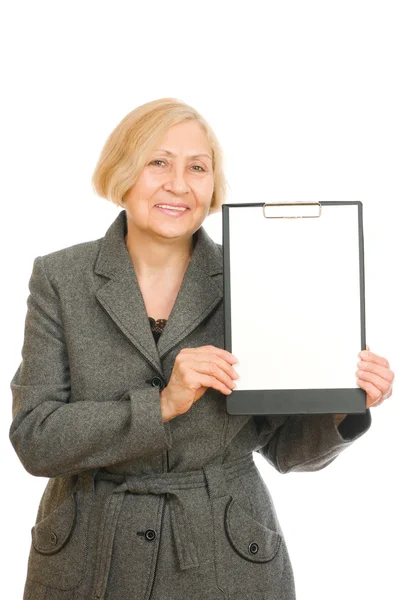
[(158, 160)]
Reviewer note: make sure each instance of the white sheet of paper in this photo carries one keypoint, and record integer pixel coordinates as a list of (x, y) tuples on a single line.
[(295, 299)]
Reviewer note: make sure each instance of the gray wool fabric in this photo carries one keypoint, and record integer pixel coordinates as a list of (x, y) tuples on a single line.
[(135, 508)]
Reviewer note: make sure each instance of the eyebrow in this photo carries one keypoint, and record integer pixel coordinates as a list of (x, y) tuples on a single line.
[(192, 156)]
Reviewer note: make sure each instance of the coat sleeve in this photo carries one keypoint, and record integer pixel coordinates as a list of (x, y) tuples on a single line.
[(307, 442), (51, 434)]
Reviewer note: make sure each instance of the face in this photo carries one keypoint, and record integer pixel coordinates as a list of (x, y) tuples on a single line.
[(178, 171)]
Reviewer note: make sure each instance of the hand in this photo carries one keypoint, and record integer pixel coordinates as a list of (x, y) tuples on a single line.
[(195, 370), (375, 377)]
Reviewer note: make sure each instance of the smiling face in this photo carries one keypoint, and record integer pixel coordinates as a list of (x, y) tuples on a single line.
[(178, 171)]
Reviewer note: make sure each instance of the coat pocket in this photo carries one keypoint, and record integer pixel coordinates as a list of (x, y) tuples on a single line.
[(58, 552), (245, 549), (52, 533), (250, 538)]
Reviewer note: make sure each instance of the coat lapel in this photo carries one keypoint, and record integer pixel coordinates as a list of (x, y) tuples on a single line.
[(122, 299)]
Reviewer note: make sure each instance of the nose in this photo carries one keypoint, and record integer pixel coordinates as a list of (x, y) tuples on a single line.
[(176, 182)]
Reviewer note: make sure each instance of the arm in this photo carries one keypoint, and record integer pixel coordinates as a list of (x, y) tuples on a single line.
[(52, 434), (307, 442)]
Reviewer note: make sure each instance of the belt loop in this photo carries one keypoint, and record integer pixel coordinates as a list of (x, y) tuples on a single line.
[(94, 478), (215, 478), (85, 480)]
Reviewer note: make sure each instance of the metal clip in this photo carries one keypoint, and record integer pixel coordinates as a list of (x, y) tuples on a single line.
[(295, 205)]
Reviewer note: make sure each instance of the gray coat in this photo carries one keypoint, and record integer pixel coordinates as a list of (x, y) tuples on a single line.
[(136, 508)]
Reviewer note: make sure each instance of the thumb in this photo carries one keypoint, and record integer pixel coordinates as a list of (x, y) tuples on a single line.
[(367, 347)]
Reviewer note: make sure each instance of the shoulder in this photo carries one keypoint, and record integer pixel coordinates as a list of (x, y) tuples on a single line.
[(70, 260)]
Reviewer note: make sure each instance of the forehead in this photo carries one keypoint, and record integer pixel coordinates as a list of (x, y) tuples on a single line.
[(188, 137)]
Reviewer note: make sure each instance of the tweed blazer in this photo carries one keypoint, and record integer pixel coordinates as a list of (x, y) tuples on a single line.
[(135, 507)]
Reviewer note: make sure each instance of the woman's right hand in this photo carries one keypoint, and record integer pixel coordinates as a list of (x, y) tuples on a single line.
[(195, 370)]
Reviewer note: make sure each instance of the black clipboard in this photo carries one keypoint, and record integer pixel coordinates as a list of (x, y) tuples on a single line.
[(294, 306)]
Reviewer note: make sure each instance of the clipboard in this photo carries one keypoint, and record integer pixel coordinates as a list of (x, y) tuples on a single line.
[(294, 306)]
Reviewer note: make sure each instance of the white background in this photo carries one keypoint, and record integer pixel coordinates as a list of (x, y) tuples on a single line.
[(303, 97)]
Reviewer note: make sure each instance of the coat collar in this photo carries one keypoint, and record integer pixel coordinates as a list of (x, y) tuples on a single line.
[(122, 299)]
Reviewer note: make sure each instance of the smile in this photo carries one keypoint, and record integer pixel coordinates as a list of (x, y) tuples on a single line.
[(174, 212)]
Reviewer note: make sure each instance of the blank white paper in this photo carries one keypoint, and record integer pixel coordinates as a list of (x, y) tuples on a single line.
[(295, 299)]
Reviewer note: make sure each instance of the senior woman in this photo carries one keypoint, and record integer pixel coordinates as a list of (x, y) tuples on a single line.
[(119, 400)]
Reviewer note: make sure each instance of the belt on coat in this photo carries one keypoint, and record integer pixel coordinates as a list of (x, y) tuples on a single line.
[(214, 476)]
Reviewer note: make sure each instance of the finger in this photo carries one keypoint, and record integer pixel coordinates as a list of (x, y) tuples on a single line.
[(371, 357), (378, 382), (218, 360), (372, 392), (383, 372), (389, 394), (209, 381), (216, 370), (231, 358), (228, 356), (375, 403)]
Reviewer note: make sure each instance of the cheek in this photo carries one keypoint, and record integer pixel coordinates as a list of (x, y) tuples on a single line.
[(210, 186), (149, 183), (144, 195), (204, 190)]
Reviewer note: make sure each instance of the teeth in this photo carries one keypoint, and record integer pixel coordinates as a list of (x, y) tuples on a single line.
[(171, 207)]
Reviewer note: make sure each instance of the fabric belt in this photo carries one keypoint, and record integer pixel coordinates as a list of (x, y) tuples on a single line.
[(213, 476)]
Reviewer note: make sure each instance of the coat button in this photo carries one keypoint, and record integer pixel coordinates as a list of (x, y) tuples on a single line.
[(156, 382), (150, 534), (253, 548), (53, 538)]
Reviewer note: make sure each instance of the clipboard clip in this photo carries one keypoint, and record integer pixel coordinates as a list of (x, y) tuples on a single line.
[(301, 210)]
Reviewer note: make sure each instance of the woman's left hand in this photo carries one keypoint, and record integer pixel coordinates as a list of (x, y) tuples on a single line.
[(375, 377)]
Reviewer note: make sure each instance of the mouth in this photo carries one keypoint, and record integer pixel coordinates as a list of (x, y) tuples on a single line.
[(174, 211)]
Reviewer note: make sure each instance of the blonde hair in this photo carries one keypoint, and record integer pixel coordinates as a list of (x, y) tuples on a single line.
[(127, 148)]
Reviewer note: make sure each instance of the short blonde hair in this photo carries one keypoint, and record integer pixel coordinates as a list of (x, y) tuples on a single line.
[(129, 145)]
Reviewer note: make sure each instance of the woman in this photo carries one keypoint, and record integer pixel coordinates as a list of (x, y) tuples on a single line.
[(120, 397)]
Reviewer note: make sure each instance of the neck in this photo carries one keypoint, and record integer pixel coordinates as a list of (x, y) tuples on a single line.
[(156, 257)]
